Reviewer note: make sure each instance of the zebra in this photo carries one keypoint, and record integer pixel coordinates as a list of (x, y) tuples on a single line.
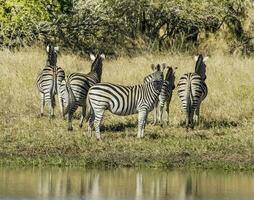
[(49, 80), (165, 94), (122, 100), (192, 90), (74, 89)]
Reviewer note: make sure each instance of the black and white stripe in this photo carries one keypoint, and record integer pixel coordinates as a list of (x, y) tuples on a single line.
[(74, 90), (165, 95), (192, 90), (49, 80), (123, 100)]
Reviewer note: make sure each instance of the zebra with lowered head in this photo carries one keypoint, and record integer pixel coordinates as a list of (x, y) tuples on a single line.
[(122, 100), (74, 89), (49, 80), (192, 90)]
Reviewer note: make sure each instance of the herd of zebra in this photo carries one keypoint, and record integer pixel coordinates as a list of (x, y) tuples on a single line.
[(94, 97)]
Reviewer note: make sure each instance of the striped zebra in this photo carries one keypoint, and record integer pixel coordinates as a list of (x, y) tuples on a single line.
[(122, 100), (74, 89), (165, 95), (49, 80), (192, 90)]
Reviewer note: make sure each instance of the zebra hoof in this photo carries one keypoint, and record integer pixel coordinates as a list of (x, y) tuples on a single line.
[(40, 115), (52, 116), (80, 125), (70, 129)]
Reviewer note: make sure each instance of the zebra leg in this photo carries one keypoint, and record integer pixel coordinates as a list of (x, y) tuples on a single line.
[(97, 122), (197, 114), (83, 113), (90, 124), (42, 103), (61, 104), (191, 120), (142, 117), (187, 121), (167, 113), (69, 118), (155, 120), (160, 115), (51, 109)]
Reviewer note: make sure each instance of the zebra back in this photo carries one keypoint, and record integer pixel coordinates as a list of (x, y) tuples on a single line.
[(124, 100), (80, 83), (51, 76)]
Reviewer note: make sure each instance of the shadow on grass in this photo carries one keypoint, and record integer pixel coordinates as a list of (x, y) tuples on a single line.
[(213, 123), (118, 126)]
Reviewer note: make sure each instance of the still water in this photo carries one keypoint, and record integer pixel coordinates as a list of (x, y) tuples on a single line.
[(124, 184)]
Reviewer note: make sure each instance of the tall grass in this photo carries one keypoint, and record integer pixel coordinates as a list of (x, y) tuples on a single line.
[(224, 137)]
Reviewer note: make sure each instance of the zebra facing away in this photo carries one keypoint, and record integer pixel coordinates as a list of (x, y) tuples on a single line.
[(122, 100), (49, 80), (74, 89), (192, 90)]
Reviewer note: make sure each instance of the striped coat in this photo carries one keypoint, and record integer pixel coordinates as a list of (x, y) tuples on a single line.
[(165, 95), (74, 90), (192, 90), (49, 81), (123, 100)]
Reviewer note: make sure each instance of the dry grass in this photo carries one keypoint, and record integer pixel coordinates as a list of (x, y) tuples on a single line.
[(223, 139)]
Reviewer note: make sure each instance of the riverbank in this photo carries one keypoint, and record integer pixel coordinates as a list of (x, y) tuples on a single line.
[(224, 139)]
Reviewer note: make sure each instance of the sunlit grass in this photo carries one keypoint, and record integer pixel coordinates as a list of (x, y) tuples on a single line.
[(224, 138)]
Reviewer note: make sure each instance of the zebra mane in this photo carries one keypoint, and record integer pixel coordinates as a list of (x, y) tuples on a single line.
[(200, 67), (97, 65), (52, 55)]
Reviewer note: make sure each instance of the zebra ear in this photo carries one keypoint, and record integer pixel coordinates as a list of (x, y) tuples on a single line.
[(102, 56), (56, 49), (205, 59), (92, 57), (163, 66), (196, 58), (47, 48), (153, 67), (158, 67)]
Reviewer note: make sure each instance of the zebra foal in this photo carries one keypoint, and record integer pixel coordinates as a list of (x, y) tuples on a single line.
[(122, 100), (74, 89), (192, 90), (49, 81), (165, 95)]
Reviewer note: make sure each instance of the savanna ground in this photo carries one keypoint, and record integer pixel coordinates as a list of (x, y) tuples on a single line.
[(223, 140)]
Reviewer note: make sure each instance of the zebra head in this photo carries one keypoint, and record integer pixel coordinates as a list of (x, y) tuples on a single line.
[(97, 64), (157, 80), (200, 67), (170, 78), (52, 55)]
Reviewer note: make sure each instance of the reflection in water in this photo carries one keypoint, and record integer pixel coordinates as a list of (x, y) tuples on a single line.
[(126, 184)]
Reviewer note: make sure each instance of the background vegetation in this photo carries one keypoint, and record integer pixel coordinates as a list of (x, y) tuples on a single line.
[(223, 140), (130, 26)]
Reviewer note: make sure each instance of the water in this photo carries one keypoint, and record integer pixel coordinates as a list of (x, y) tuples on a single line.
[(124, 184)]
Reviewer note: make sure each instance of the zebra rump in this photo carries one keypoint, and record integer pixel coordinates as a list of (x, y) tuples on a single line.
[(49, 81), (192, 90)]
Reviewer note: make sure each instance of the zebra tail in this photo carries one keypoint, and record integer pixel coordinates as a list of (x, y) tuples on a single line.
[(70, 98), (188, 97)]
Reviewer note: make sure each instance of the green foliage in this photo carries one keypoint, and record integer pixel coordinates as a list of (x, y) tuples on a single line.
[(20, 21), (116, 26)]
